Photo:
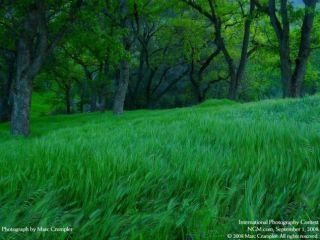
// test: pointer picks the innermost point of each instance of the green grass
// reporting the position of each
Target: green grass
(165, 174)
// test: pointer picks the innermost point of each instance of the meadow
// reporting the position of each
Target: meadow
(189, 173)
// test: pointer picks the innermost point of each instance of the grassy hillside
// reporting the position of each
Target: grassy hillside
(187, 173)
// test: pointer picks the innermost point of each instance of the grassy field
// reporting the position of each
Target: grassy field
(178, 174)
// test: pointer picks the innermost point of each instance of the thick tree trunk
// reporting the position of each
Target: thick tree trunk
(292, 83)
(122, 87)
(123, 81)
(283, 35)
(195, 84)
(285, 68)
(31, 51)
(22, 89)
(20, 117)
(304, 50)
(197, 90)
(233, 89)
(148, 91)
(32, 48)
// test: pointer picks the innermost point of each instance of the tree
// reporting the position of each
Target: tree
(41, 25)
(292, 73)
(159, 54)
(123, 80)
(235, 71)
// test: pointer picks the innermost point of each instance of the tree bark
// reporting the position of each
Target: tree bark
(148, 90)
(194, 82)
(285, 68)
(283, 35)
(122, 87)
(102, 99)
(31, 49)
(292, 82)
(235, 72)
(304, 50)
(20, 118)
(233, 94)
(123, 81)
(221, 44)
(170, 85)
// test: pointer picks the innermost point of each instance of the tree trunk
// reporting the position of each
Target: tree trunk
(122, 87)
(195, 83)
(232, 95)
(22, 90)
(102, 103)
(244, 54)
(123, 81)
(31, 51)
(81, 104)
(102, 98)
(304, 50)
(20, 117)
(283, 35)
(68, 99)
(235, 72)
(292, 83)
(148, 103)
(140, 70)
(285, 61)
(229, 60)
(32, 48)
(285, 68)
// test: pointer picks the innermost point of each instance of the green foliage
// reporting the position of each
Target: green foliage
(191, 35)
(178, 36)
(41, 104)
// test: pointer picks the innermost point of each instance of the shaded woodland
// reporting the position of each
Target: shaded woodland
(146, 54)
